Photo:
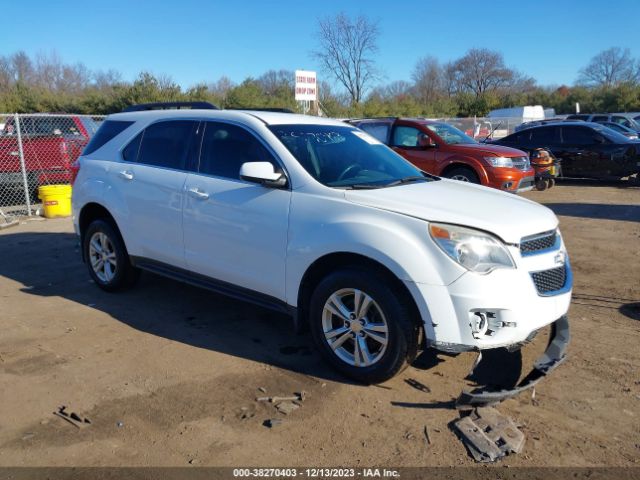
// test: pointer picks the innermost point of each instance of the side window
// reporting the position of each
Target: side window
(600, 118)
(226, 147)
(130, 152)
(405, 137)
(106, 132)
(621, 121)
(165, 144)
(577, 136)
(543, 136)
(379, 131)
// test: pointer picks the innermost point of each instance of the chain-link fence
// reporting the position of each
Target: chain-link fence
(35, 150)
(483, 127)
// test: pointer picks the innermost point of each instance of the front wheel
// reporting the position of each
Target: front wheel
(364, 328)
(107, 257)
(463, 174)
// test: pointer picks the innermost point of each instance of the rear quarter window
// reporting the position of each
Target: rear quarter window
(108, 130)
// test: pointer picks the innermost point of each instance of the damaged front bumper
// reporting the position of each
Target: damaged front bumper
(554, 355)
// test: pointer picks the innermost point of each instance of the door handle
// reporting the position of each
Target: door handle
(197, 193)
(126, 174)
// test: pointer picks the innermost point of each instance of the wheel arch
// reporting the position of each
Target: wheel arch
(470, 164)
(90, 212)
(322, 266)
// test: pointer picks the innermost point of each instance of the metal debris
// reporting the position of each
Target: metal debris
(286, 407)
(72, 417)
(426, 435)
(417, 385)
(262, 389)
(489, 435)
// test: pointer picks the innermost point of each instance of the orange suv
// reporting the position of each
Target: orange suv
(443, 150)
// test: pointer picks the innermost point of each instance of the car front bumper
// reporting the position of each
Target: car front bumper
(553, 356)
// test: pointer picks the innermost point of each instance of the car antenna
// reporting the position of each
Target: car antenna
(484, 140)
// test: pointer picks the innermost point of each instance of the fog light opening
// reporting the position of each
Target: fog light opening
(479, 325)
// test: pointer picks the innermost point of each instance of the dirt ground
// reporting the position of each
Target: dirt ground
(168, 374)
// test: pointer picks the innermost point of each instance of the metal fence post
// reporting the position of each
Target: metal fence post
(23, 167)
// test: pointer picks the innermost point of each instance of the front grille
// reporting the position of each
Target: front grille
(535, 243)
(521, 163)
(549, 281)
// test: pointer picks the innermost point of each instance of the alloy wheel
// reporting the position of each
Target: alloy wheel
(102, 256)
(355, 327)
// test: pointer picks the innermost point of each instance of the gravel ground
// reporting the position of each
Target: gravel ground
(168, 374)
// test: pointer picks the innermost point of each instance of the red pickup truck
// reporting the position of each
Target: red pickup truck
(50, 143)
(443, 150)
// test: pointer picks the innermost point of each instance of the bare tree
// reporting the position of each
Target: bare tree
(610, 68)
(428, 77)
(481, 70)
(22, 67)
(346, 51)
(274, 80)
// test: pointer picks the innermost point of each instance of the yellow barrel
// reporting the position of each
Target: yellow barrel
(56, 200)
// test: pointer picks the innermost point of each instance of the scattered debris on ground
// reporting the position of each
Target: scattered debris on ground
(72, 417)
(417, 385)
(427, 439)
(272, 422)
(489, 435)
(298, 396)
(287, 407)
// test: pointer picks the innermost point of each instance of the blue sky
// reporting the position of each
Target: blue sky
(194, 41)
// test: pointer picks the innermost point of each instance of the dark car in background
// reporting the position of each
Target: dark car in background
(585, 149)
(625, 120)
(618, 127)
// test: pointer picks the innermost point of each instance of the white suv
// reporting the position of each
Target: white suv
(317, 219)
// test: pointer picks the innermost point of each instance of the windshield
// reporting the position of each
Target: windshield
(450, 135)
(345, 157)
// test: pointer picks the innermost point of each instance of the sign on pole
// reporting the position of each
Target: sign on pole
(306, 89)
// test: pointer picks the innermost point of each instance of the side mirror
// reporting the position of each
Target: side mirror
(425, 142)
(262, 173)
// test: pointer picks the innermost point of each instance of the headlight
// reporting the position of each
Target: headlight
(474, 250)
(500, 162)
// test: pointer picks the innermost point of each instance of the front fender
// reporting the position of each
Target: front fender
(467, 161)
(398, 242)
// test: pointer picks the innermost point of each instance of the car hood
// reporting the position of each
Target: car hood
(488, 149)
(448, 201)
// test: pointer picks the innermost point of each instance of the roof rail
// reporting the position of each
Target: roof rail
(170, 105)
(263, 109)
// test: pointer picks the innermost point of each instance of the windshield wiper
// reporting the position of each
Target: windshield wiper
(404, 180)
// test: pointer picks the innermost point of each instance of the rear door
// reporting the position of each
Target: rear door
(151, 179)
(235, 231)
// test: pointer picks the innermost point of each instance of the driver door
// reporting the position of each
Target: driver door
(404, 140)
(235, 231)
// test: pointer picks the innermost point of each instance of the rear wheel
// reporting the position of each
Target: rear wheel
(364, 328)
(463, 174)
(107, 257)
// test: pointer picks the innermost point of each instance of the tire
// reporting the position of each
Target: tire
(387, 326)
(115, 274)
(463, 174)
(552, 182)
(541, 184)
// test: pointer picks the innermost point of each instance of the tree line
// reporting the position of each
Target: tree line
(473, 84)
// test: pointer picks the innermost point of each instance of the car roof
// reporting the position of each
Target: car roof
(269, 118)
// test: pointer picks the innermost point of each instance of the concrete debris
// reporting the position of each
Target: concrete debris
(72, 417)
(299, 396)
(286, 407)
(489, 435)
